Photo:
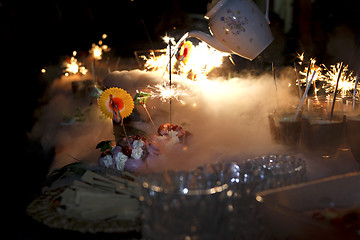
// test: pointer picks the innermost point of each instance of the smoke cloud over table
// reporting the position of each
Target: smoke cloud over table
(228, 118)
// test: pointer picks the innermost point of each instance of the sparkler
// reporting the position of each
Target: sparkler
(335, 93)
(355, 88)
(97, 51)
(170, 78)
(165, 93)
(308, 71)
(74, 67)
(345, 84)
(274, 76)
(304, 95)
(202, 60)
(298, 79)
(328, 76)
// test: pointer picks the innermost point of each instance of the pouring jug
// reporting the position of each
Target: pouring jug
(237, 27)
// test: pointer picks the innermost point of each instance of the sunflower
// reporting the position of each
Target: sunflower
(114, 99)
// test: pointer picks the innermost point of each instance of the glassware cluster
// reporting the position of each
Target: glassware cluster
(214, 201)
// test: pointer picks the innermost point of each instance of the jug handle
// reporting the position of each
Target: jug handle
(267, 12)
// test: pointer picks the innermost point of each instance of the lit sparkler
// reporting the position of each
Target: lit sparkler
(328, 76)
(201, 61)
(346, 82)
(74, 67)
(301, 58)
(165, 93)
(97, 50)
(156, 63)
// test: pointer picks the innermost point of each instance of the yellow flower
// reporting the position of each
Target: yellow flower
(116, 98)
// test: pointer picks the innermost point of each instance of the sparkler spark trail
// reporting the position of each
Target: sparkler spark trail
(74, 66)
(165, 93)
(328, 77)
(201, 61)
(97, 50)
(346, 82)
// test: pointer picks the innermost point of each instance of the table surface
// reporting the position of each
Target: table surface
(316, 168)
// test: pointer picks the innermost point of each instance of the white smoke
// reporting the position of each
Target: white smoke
(227, 117)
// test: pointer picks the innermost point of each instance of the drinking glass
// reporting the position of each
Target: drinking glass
(323, 132)
(185, 205)
(352, 126)
(284, 128)
(248, 177)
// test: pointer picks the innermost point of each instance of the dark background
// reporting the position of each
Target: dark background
(36, 33)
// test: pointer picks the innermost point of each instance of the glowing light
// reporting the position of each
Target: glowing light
(301, 58)
(43, 70)
(201, 61)
(167, 40)
(346, 82)
(74, 67)
(97, 50)
(165, 93)
(328, 77)
(156, 63)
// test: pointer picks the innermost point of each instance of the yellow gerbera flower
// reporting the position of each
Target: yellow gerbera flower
(114, 99)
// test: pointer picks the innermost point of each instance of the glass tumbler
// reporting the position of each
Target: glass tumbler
(323, 132)
(246, 178)
(284, 128)
(352, 126)
(185, 205)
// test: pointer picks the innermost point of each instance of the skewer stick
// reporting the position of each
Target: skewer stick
(173, 52)
(298, 79)
(150, 117)
(117, 118)
(355, 88)
(308, 71)
(304, 95)
(273, 71)
(336, 88)
(170, 77)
